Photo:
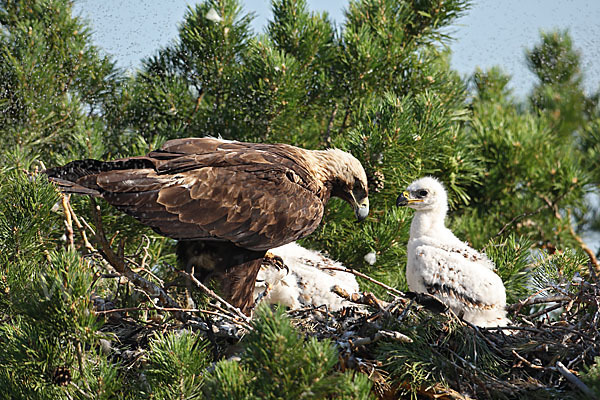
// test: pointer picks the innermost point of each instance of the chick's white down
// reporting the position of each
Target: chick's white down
(304, 282)
(440, 264)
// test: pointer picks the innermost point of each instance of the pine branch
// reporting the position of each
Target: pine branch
(584, 247)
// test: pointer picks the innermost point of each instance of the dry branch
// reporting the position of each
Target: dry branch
(361, 275)
(118, 263)
(236, 311)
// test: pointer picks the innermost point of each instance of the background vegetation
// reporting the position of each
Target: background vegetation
(523, 178)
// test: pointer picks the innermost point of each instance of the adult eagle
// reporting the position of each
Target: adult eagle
(226, 202)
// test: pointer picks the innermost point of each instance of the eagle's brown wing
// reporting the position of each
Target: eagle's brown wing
(254, 198)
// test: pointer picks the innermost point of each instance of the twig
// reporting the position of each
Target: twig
(515, 219)
(345, 119)
(215, 296)
(574, 380)
(518, 306)
(81, 227)
(365, 298)
(516, 328)
(119, 265)
(549, 204)
(139, 268)
(330, 124)
(582, 244)
(361, 275)
(545, 311)
(395, 336)
(68, 220)
(528, 363)
(537, 300)
(146, 249)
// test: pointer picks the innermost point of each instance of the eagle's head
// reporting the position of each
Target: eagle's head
(425, 194)
(348, 180)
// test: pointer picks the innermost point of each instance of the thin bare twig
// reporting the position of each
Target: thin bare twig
(538, 210)
(391, 335)
(365, 298)
(361, 275)
(68, 220)
(527, 362)
(545, 311)
(172, 309)
(215, 296)
(538, 300)
(71, 217)
(152, 290)
(582, 244)
(327, 138)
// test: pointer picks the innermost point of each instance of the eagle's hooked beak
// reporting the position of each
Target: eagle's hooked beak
(404, 200)
(361, 209)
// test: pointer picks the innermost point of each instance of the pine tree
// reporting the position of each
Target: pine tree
(380, 86)
(277, 363)
(53, 84)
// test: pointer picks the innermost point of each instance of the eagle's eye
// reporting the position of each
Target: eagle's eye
(422, 193)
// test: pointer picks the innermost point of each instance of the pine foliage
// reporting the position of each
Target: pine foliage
(522, 176)
(277, 363)
(53, 84)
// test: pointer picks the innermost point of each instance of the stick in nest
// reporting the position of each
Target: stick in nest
(236, 311)
(361, 275)
(366, 298)
(574, 380)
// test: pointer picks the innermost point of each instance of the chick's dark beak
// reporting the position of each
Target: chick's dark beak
(402, 200)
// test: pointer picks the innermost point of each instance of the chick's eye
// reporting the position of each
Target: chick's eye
(422, 193)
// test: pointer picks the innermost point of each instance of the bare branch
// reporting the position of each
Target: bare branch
(574, 380)
(360, 274)
(152, 290)
(215, 296)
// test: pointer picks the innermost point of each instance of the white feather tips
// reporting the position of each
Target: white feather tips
(213, 15)
(370, 258)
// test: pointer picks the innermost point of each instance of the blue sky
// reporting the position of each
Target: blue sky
(491, 33)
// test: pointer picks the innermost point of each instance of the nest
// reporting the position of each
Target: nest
(410, 345)
(554, 338)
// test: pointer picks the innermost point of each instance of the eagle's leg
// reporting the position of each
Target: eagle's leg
(234, 267)
(238, 284)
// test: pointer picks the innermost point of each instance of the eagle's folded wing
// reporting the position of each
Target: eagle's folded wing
(257, 208)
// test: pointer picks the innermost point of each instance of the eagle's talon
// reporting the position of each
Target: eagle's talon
(275, 261)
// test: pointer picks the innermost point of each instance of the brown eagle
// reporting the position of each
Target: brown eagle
(226, 202)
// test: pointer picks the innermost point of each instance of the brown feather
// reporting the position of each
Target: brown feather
(250, 196)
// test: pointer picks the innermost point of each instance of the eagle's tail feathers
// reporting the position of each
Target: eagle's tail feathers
(79, 176)
(66, 186)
